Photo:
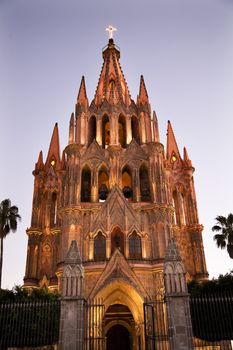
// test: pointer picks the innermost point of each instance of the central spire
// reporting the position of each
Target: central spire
(112, 86)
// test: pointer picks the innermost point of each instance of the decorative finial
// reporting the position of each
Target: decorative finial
(110, 31)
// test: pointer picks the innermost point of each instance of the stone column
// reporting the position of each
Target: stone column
(128, 130)
(94, 187)
(99, 130)
(72, 303)
(177, 300)
(108, 247)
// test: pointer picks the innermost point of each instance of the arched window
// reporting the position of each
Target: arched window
(178, 203)
(86, 185)
(45, 211)
(99, 247)
(103, 183)
(111, 88)
(91, 129)
(135, 129)
(46, 260)
(176, 206)
(122, 131)
(53, 210)
(117, 240)
(105, 131)
(126, 182)
(183, 213)
(144, 184)
(135, 246)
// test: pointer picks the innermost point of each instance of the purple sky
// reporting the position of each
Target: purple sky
(184, 50)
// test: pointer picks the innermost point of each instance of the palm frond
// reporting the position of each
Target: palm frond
(220, 241)
(221, 220)
(230, 218)
(216, 228)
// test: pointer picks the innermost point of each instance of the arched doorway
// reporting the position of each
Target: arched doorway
(118, 338)
(119, 327)
(123, 304)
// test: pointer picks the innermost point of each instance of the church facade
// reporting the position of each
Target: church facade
(121, 195)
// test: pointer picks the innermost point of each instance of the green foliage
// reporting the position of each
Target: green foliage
(28, 319)
(20, 294)
(9, 217)
(224, 235)
(211, 306)
(222, 284)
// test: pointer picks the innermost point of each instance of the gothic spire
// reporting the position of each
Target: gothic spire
(73, 255)
(172, 149)
(172, 252)
(71, 129)
(53, 156)
(82, 99)
(155, 127)
(39, 163)
(143, 95)
(112, 86)
(187, 160)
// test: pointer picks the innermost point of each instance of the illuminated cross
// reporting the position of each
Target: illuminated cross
(110, 31)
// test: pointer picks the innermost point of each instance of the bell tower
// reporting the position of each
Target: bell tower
(120, 196)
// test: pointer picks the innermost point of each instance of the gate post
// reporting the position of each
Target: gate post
(72, 303)
(177, 300)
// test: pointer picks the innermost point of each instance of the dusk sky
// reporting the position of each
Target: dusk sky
(183, 48)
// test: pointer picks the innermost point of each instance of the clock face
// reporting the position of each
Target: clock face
(53, 162)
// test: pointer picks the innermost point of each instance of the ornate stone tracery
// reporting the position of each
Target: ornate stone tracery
(119, 195)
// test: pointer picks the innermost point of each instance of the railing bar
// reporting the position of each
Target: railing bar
(20, 312)
(24, 325)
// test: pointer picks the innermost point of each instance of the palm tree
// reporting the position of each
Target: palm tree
(225, 238)
(8, 222)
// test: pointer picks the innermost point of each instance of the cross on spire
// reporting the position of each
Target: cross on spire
(110, 31)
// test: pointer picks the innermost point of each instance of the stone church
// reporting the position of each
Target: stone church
(121, 195)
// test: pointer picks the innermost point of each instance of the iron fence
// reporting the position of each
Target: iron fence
(155, 325)
(29, 323)
(94, 338)
(212, 321)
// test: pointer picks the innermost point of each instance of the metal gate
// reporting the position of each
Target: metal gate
(94, 338)
(155, 325)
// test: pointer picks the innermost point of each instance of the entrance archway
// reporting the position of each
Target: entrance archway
(118, 338)
(124, 306)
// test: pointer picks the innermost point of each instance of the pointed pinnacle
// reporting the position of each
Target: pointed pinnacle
(72, 119)
(143, 95)
(155, 119)
(172, 147)
(40, 158)
(82, 96)
(39, 164)
(54, 148)
(186, 158)
(172, 252)
(73, 255)
(155, 127)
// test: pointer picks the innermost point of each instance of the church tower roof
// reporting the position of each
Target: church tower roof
(112, 85)
(39, 164)
(82, 95)
(54, 148)
(143, 95)
(172, 148)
